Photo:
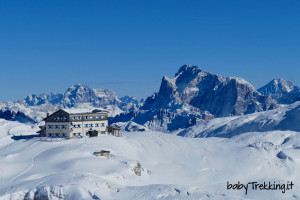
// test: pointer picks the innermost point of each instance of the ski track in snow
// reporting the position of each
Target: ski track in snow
(9, 130)
(33, 160)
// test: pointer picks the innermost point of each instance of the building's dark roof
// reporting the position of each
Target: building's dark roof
(60, 110)
(83, 113)
(93, 112)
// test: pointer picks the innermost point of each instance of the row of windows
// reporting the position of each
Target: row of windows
(92, 125)
(89, 125)
(57, 134)
(57, 126)
(60, 118)
(87, 117)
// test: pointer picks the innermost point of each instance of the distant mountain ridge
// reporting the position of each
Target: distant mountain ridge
(194, 95)
(284, 92)
(79, 94)
(34, 107)
(191, 97)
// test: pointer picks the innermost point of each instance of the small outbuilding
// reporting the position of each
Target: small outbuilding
(102, 153)
(115, 131)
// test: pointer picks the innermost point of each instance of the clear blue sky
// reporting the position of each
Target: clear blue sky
(127, 46)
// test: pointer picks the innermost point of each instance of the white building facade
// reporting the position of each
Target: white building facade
(74, 125)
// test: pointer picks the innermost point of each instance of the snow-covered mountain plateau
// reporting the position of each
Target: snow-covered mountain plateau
(145, 165)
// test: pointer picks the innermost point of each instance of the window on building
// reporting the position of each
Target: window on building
(57, 134)
(91, 125)
(78, 117)
(86, 125)
(56, 126)
(102, 124)
(102, 116)
(91, 117)
(49, 126)
(86, 117)
(97, 125)
(96, 116)
(103, 132)
(65, 118)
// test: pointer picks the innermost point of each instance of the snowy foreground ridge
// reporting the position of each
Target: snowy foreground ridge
(171, 167)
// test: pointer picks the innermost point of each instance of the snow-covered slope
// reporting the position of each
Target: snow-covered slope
(283, 118)
(171, 167)
(195, 95)
(291, 97)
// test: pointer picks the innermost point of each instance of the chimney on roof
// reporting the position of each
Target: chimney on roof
(47, 114)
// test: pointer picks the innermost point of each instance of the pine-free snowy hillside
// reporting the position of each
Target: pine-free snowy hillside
(283, 118)
(171, 167)
(194, 95)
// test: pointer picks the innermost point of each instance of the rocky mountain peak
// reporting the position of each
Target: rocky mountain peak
(277, 88)
(188, 69)
(194, 95)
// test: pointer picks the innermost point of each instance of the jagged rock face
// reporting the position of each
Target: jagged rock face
(276, 88)
(78, 94)
(195, 95)
(221, 96)
(74, 96)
